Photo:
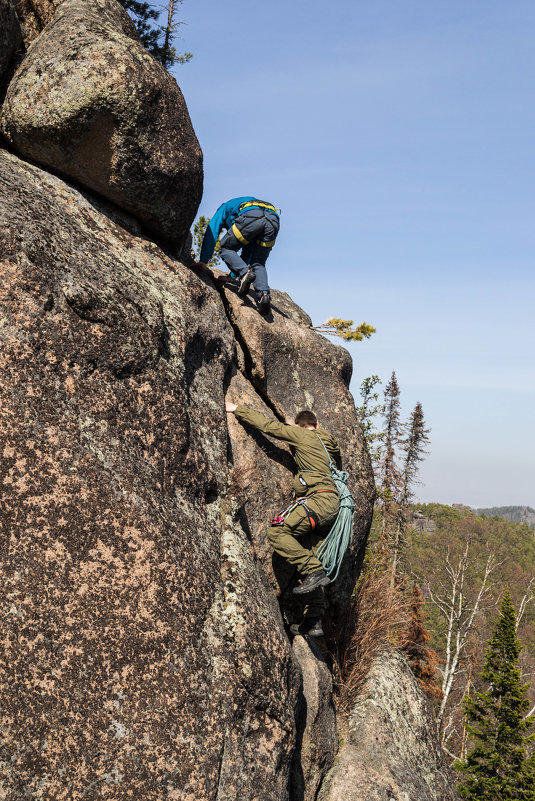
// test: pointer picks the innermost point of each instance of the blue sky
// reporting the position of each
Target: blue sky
(397, 138)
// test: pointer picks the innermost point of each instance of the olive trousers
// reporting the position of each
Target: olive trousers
(297, 542)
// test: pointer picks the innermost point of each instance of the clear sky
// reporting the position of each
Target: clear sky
(397, 137)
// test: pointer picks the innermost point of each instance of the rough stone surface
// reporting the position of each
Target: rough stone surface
(142, 656)
(143, 650)
(10, 35)
(292, 367)
(392, 751)
(97, 108)
(35, 14)
(317, 737)
(422, 523)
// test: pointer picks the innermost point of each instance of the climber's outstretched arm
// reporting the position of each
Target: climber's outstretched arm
(287, 433)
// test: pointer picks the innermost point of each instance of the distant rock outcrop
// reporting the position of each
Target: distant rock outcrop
(391, 751)
(516, 514)
(422, 523)
(97, 108)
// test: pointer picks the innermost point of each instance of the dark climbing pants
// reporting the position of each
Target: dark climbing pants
(297, 543)
(254, 226)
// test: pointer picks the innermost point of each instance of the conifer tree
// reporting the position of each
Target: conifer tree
(497, 766)
(422, 659)
(390, 477)
(367, 411)
(157, 39)
(414, 447)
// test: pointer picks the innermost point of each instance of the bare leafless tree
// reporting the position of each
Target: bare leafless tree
(459, 612)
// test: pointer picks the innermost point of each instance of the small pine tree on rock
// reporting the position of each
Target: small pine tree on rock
(498, 767)
(345, 329)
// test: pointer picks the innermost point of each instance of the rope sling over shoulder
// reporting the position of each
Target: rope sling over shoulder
(332, 550)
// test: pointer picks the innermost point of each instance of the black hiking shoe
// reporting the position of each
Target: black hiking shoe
(310, 582)
(245, 282)
(264, 303)
(311, 627)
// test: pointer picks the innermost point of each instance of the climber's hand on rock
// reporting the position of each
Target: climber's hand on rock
(230, 407)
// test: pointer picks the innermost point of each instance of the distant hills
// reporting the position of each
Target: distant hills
(516, 514)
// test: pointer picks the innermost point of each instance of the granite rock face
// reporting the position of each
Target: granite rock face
(317, 735)
(143, 648)
(34, 15)
(391, 752)
(277, 357)
(97, 108)
(10, 35)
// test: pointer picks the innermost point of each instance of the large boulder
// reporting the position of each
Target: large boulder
(10, 35)
(392, 749)
(96, 107)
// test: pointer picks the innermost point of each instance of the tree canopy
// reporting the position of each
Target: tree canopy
(497, 765)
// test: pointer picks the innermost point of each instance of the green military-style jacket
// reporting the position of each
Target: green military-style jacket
(314, 472)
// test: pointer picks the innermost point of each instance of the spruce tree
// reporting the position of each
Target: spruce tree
(497, 767)
(157, 39)
(422, 659)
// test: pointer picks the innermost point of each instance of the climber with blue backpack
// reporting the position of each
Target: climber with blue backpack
(313, 532)
(252, 226)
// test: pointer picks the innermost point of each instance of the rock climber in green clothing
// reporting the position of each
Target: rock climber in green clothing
(298, 532)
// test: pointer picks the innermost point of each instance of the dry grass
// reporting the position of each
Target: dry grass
(379, 618)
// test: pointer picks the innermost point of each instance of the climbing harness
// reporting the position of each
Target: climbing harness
(240, 237)
(257, 204)
(332, 550)
(312, 516)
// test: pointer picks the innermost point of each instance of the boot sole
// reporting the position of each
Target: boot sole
(307, 633)
(244, 287)
(322, 582)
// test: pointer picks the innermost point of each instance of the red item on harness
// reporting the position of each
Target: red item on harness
(279, 519)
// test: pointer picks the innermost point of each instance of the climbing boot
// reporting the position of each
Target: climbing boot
(245, 282)
(311, 627)
(264, 303)
(317, 579)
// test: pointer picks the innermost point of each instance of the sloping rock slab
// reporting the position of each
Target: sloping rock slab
(96, 107)
(10, 34)
(392, 752)
(143, 655)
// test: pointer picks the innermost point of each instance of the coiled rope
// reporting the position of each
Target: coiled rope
(332, 550)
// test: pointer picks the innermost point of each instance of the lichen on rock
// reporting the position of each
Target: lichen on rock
(391, 750)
